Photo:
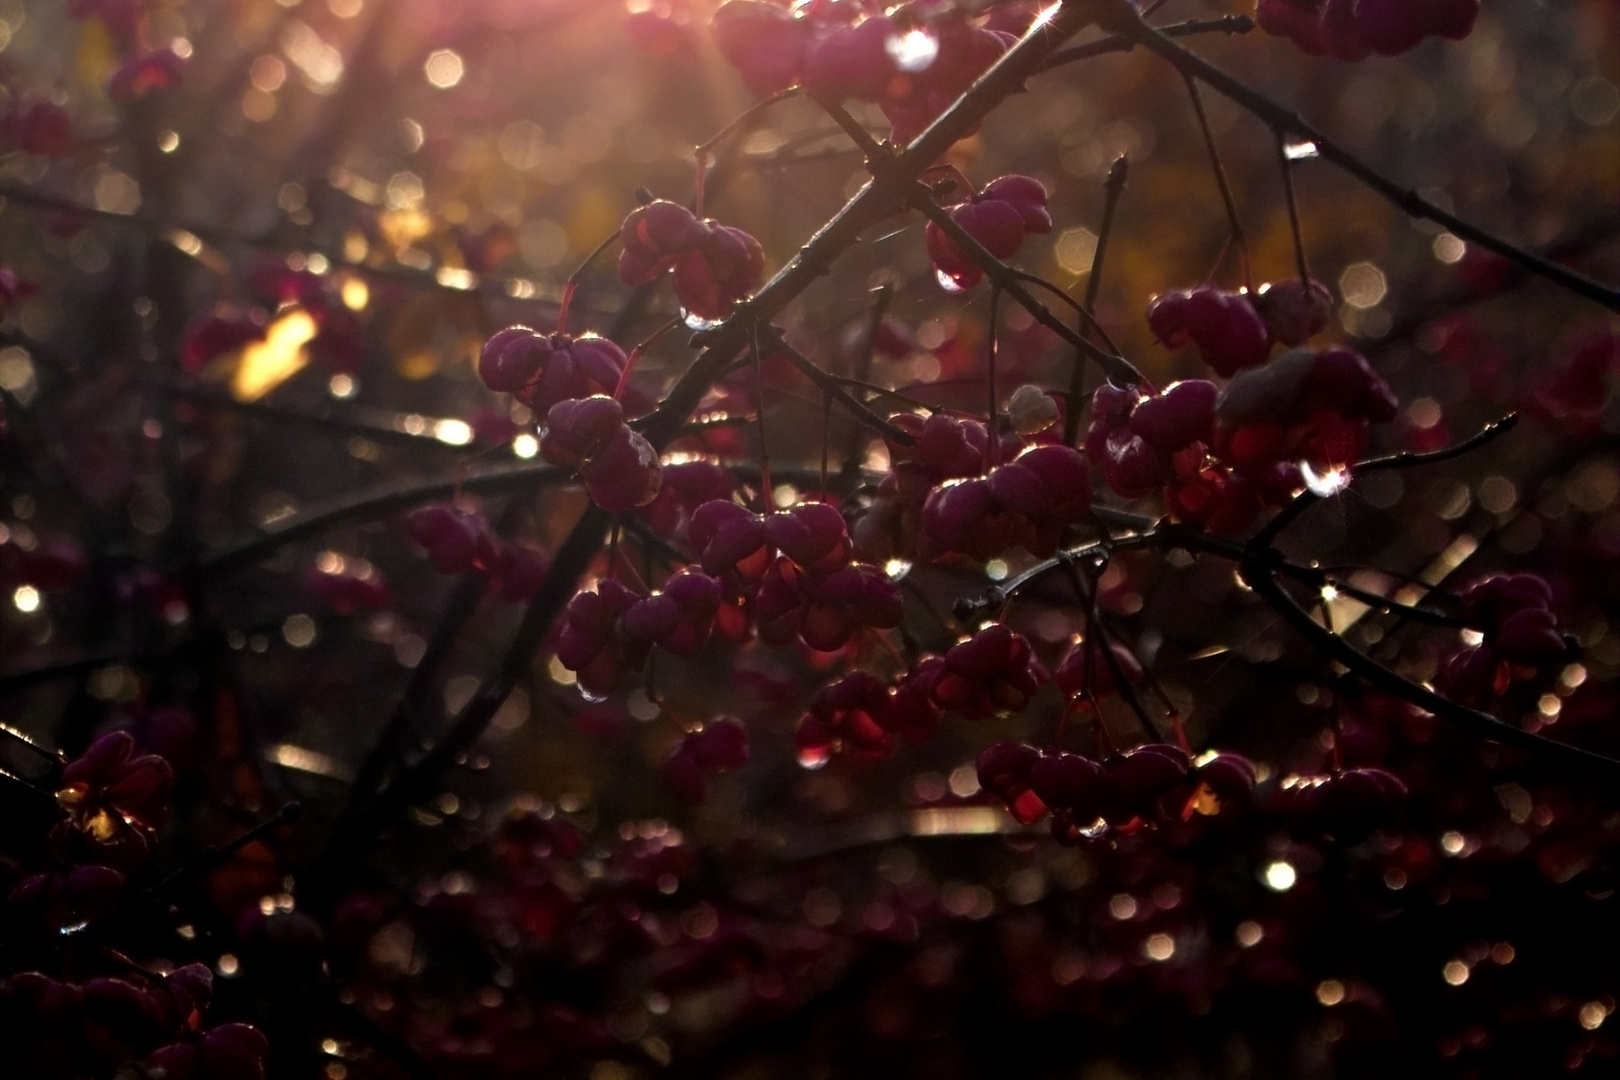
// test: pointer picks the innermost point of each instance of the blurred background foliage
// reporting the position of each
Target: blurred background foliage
(445, 166)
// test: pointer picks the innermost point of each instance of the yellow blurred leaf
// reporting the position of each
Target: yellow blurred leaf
(267, 364)
(593, 216)
(97, 56)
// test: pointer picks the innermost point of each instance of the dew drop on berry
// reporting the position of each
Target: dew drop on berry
(814, 757)
(948, 283)
(698, 322)
(1324, 484)
(590, 698)
(912, 51)
(897, 569)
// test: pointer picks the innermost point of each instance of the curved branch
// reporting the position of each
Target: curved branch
(1257, 573)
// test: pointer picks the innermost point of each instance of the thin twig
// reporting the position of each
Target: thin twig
(830, 386)
(1232, 220)
(1225, 24)
(1118, 369)
(1113, 189)
(1406, 459)
(1286, 164)
(884, 296)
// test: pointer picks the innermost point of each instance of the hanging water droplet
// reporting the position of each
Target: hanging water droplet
(590, 698)
(698, 322)
(912, 51)
(1324, 484)
(814, 757)
(1299, 149)
(948, 283)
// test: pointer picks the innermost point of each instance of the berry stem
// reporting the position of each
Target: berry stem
(1085, 586)
(1287, 166)
(992, 442)
(767, 500)
(883, 296)
(1233, 223)
(703, 153)
(1118, 369)
(28, 744)
(832, 386)
(636, 354)
(572, 285)
(1113, 188)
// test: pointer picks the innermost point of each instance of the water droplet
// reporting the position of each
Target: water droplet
(1324, 484)
(1299, 149)
(698, 322)
(912, 51)
(948, 283)
(814, 757)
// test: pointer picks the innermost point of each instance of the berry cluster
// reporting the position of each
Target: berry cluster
(717, 747)
(59, 1028)
(1236, 330)
(459, 540)
(114, 799)
(912, 62)
(1355, 29)
(1223, 455)
(1129, 791)
(1521, 635)
(619, 466)
(541, 370)
(1346, 806)
(714, 265)
(999, 217)
(943, 495)
(610, 632)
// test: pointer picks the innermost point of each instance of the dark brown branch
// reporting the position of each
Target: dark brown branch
(1225, 24)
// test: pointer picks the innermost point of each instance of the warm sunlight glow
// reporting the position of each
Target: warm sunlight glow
(268, 363)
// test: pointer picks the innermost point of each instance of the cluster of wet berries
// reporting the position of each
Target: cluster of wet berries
(789, 576)
(713, 265)
(568, 380)
(913, 62)
(114, 800)
(1124, 791)
(1355, 29)
(1236, 330)
(1222, 455)
(1008, 209)
(993, 672)
(946, 494)
(458, 540)
(1521, 636)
